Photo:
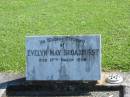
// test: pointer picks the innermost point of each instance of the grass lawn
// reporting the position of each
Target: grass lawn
(110, 18)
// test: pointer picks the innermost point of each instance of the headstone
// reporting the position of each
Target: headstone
(63, 57)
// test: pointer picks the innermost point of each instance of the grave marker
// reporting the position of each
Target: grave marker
(63, 57)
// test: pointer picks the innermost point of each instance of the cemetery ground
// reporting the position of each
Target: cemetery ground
(19, 18)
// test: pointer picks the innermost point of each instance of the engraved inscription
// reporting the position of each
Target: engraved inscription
(63, 57)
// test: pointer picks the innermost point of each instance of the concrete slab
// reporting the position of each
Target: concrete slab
(127, 91)
(125, 75)
(15, 79)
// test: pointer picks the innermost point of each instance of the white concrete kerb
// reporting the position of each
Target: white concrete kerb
(2, 91)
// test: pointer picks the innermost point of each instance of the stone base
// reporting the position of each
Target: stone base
(16, 85)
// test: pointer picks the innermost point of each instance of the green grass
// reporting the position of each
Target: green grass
(110, 18)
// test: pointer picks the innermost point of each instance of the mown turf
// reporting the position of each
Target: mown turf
(110, 18)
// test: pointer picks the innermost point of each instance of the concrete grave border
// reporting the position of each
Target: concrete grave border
(7, 79)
